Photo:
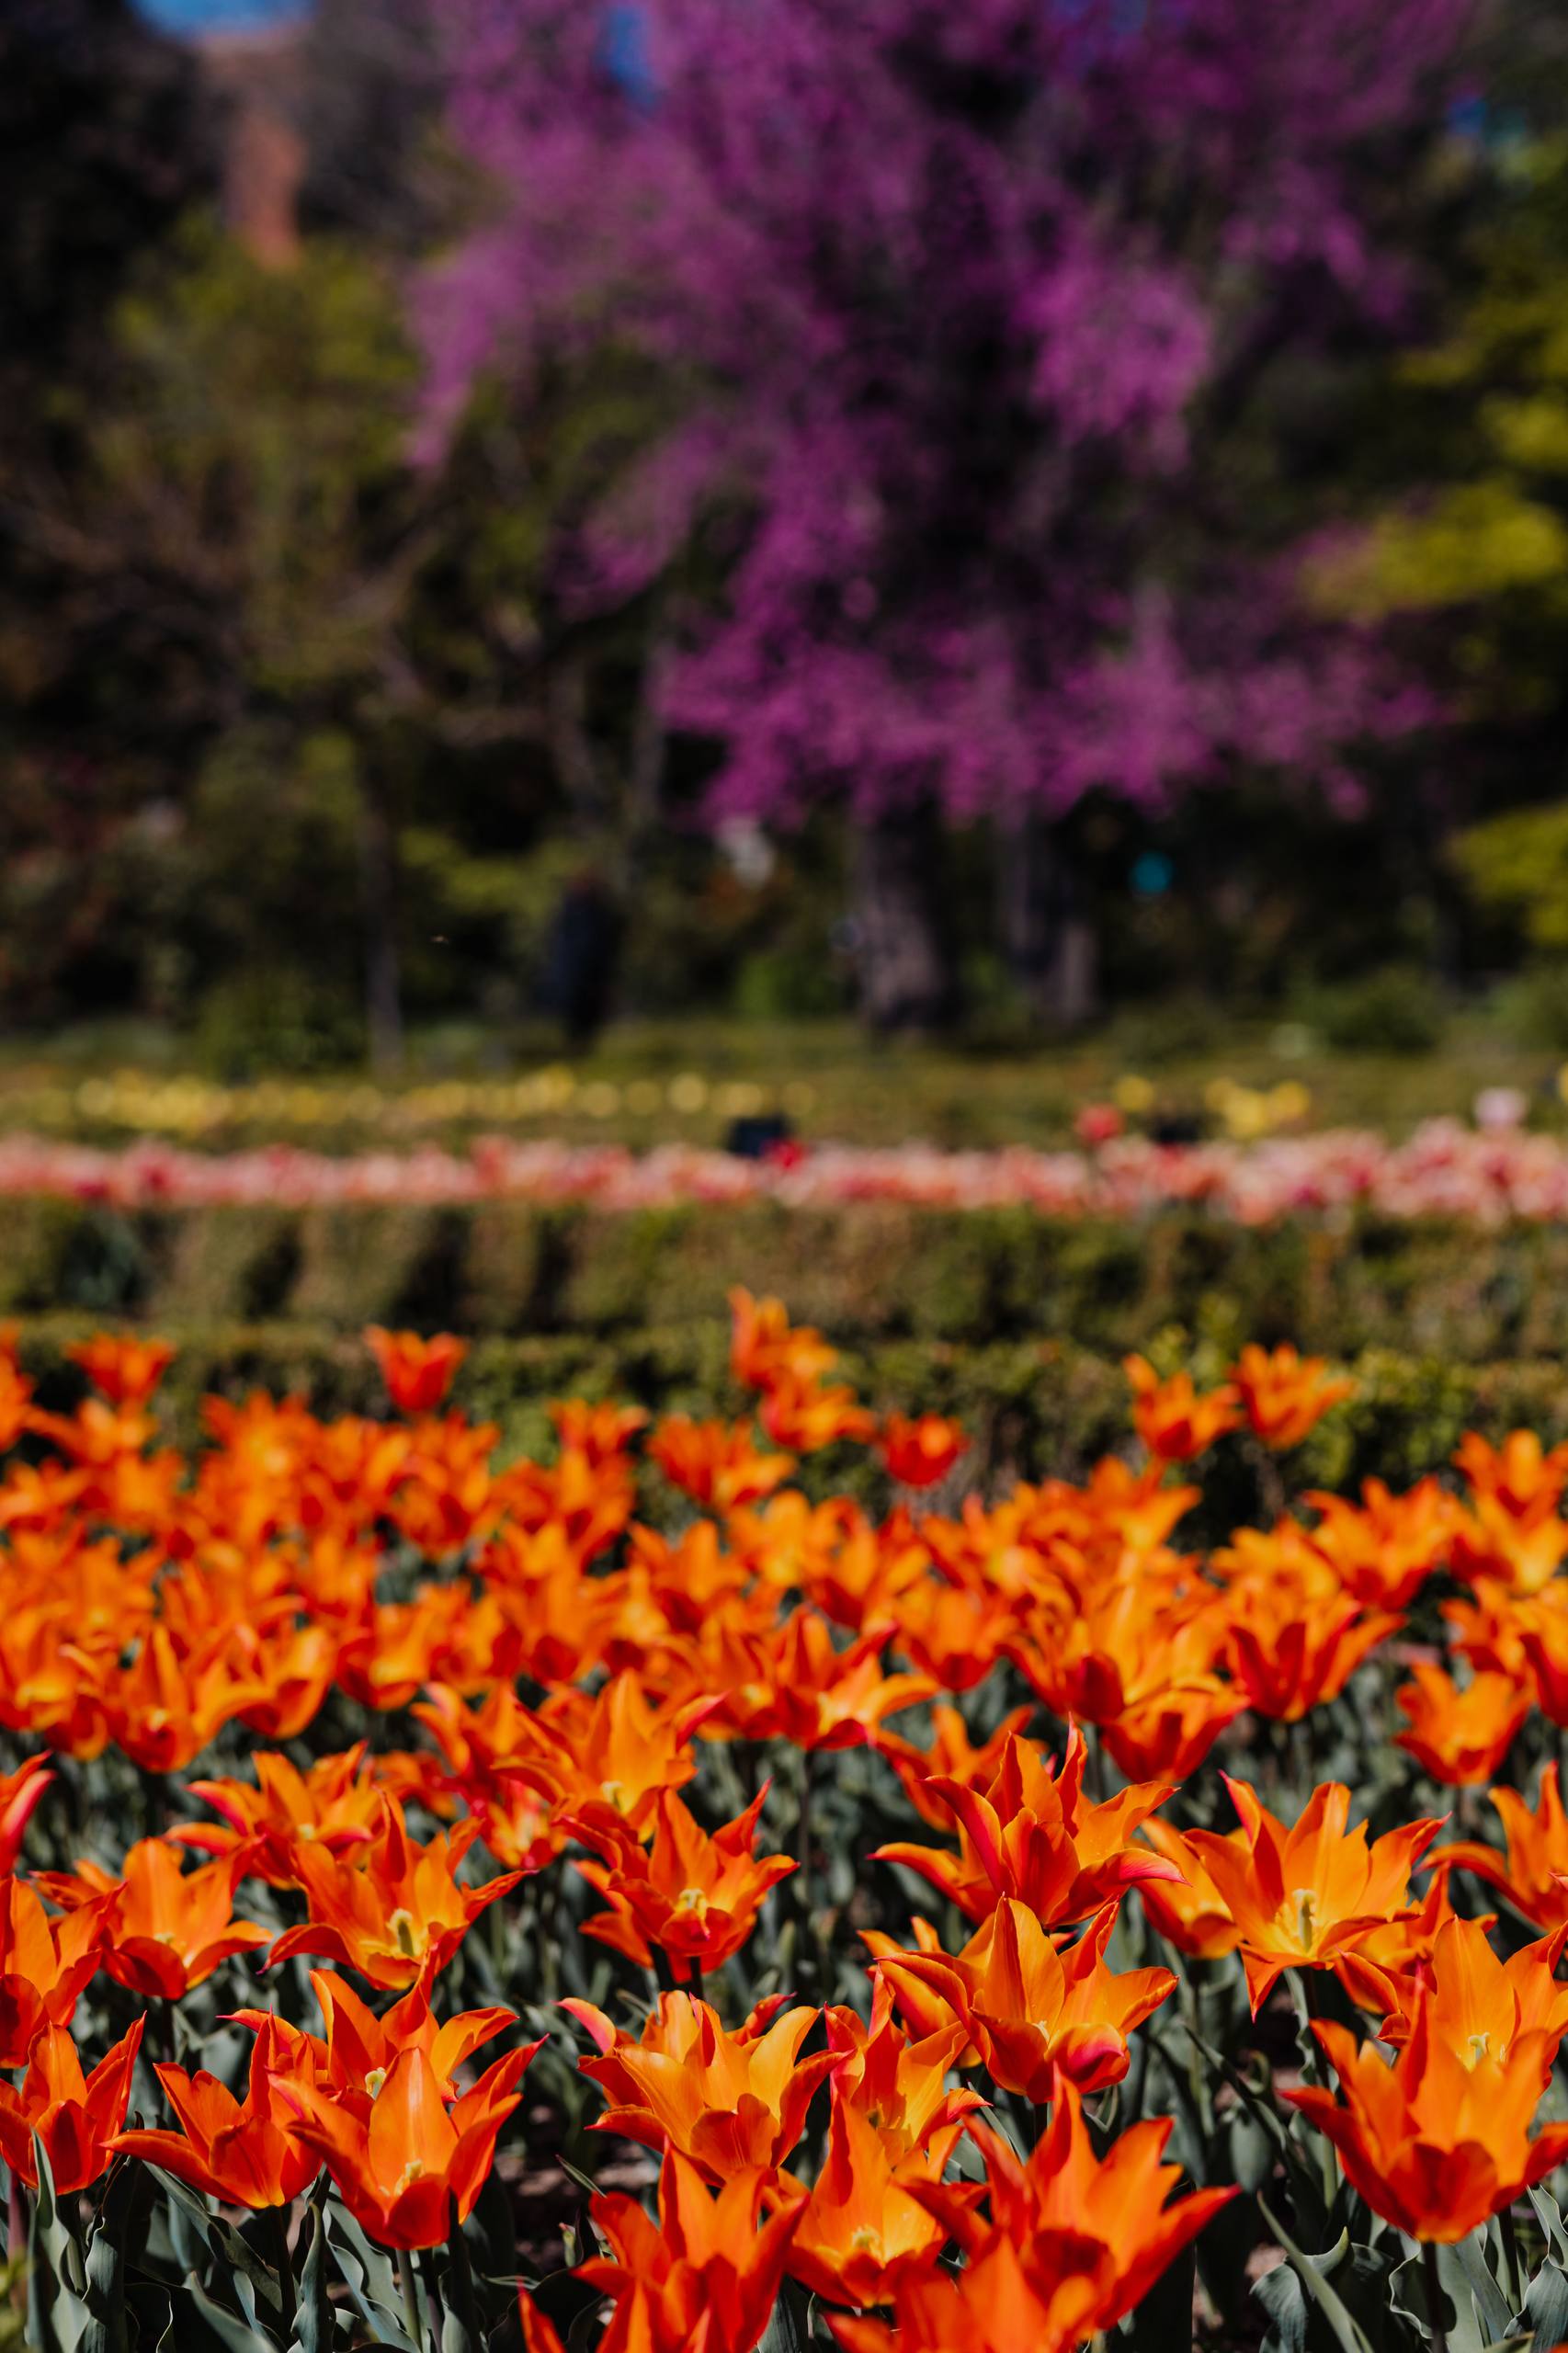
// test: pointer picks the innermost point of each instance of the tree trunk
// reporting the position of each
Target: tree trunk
(377, 884)
(905, 970)
(1047, 928)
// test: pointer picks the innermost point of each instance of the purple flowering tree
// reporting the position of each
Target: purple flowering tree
(973, 303)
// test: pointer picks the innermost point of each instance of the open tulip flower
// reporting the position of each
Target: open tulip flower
(1072, 2242)
(401, 2165)
(901, 2087)
(1284, 1394)
(1035, 2010)
(1037, 1837)
(709, 2269)
(694, 1896)
(1459, 1737)
(1173, 1420)
(337, 1804)
(1305, 1898)
(862, 2227)
(76, 2117)
(161, 1930)
(920, 1452)
(1482, 2006)
(1438, 2142)
(44, 1966)
(733, 2103)
(1531, 1875)
(389, 1908)
(356, 2055)
(242, 2152)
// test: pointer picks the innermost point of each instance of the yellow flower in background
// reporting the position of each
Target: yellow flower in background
(1133, 1094)
(688, 1093)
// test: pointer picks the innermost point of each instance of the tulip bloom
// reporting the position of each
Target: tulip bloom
(1035, 1837)
(1438, 2142)
(417, 1372)
(398, 2165)
(1174, 1422)
(1073, 2244)
(1035, 2012)
(1480, 2006)
(121, 1367)
(1304, 1898)
(392, 1909)
(609, 1755)
(730, 2102)
(920, 1452)
(696, 1897)
(162, 1931)
(1461, 1737)
(242, 2152)
(900, 2085)
(1188, 1910)
(75, 2117)
(1532, 1874)
(861, 2229)
(1285, 1394)
(44, 1966)
(718, 1464)
(709, 2269)
(766, 1347)
(357, 2056)
(1292, 1647)
(337, 1804)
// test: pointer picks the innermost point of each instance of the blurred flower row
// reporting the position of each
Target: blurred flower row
(1443, 1169)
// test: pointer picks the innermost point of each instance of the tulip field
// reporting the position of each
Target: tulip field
(646, 1899)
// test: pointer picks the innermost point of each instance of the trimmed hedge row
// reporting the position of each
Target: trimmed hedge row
(1032, 1409)
(868, 1273)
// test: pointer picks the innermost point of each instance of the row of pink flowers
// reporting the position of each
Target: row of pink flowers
(1443, 1169)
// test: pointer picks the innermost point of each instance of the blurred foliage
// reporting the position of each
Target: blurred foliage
(285, 696)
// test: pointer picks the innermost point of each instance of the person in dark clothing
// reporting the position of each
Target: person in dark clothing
(581, 958)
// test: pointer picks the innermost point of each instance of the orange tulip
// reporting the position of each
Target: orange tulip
(1482, 2006)
(417, 1372)
(1174, 1422)
(1304, 1898)
(709, 2269)
(805, 1417)
(1532, 1873)
(121, 1367)
(1459, 1737)
(400, 2165)
(609, 1757)
(765, 1346)
(695, 1897)
(920, 1452)
(862, 2229)
(901, 2087)
(730, 2102)
(163, 1931)
(716, 1463)
(1291, 1648)
(1188, 1910)
(951, 1758)
(75, 2117)
(356, 2055)
(335, 1804)
(44, 1966)
(1438, 2142)
(1074, 2242)
(1034, 2011)
(1035, 1836)
(394, 1907)
(242, 2152)
(1285, 1394)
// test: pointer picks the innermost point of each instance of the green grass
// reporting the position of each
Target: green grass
(650, 1082)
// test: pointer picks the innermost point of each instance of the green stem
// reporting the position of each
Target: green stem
(277, 2218)
(1435, 2329)
(410, 2287)
(1513, 2262)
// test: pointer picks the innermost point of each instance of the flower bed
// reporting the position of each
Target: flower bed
(1444, 1169)
(830, 1913)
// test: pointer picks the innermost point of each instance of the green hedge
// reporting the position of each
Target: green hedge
(1032, 1409)
(866, 1274)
